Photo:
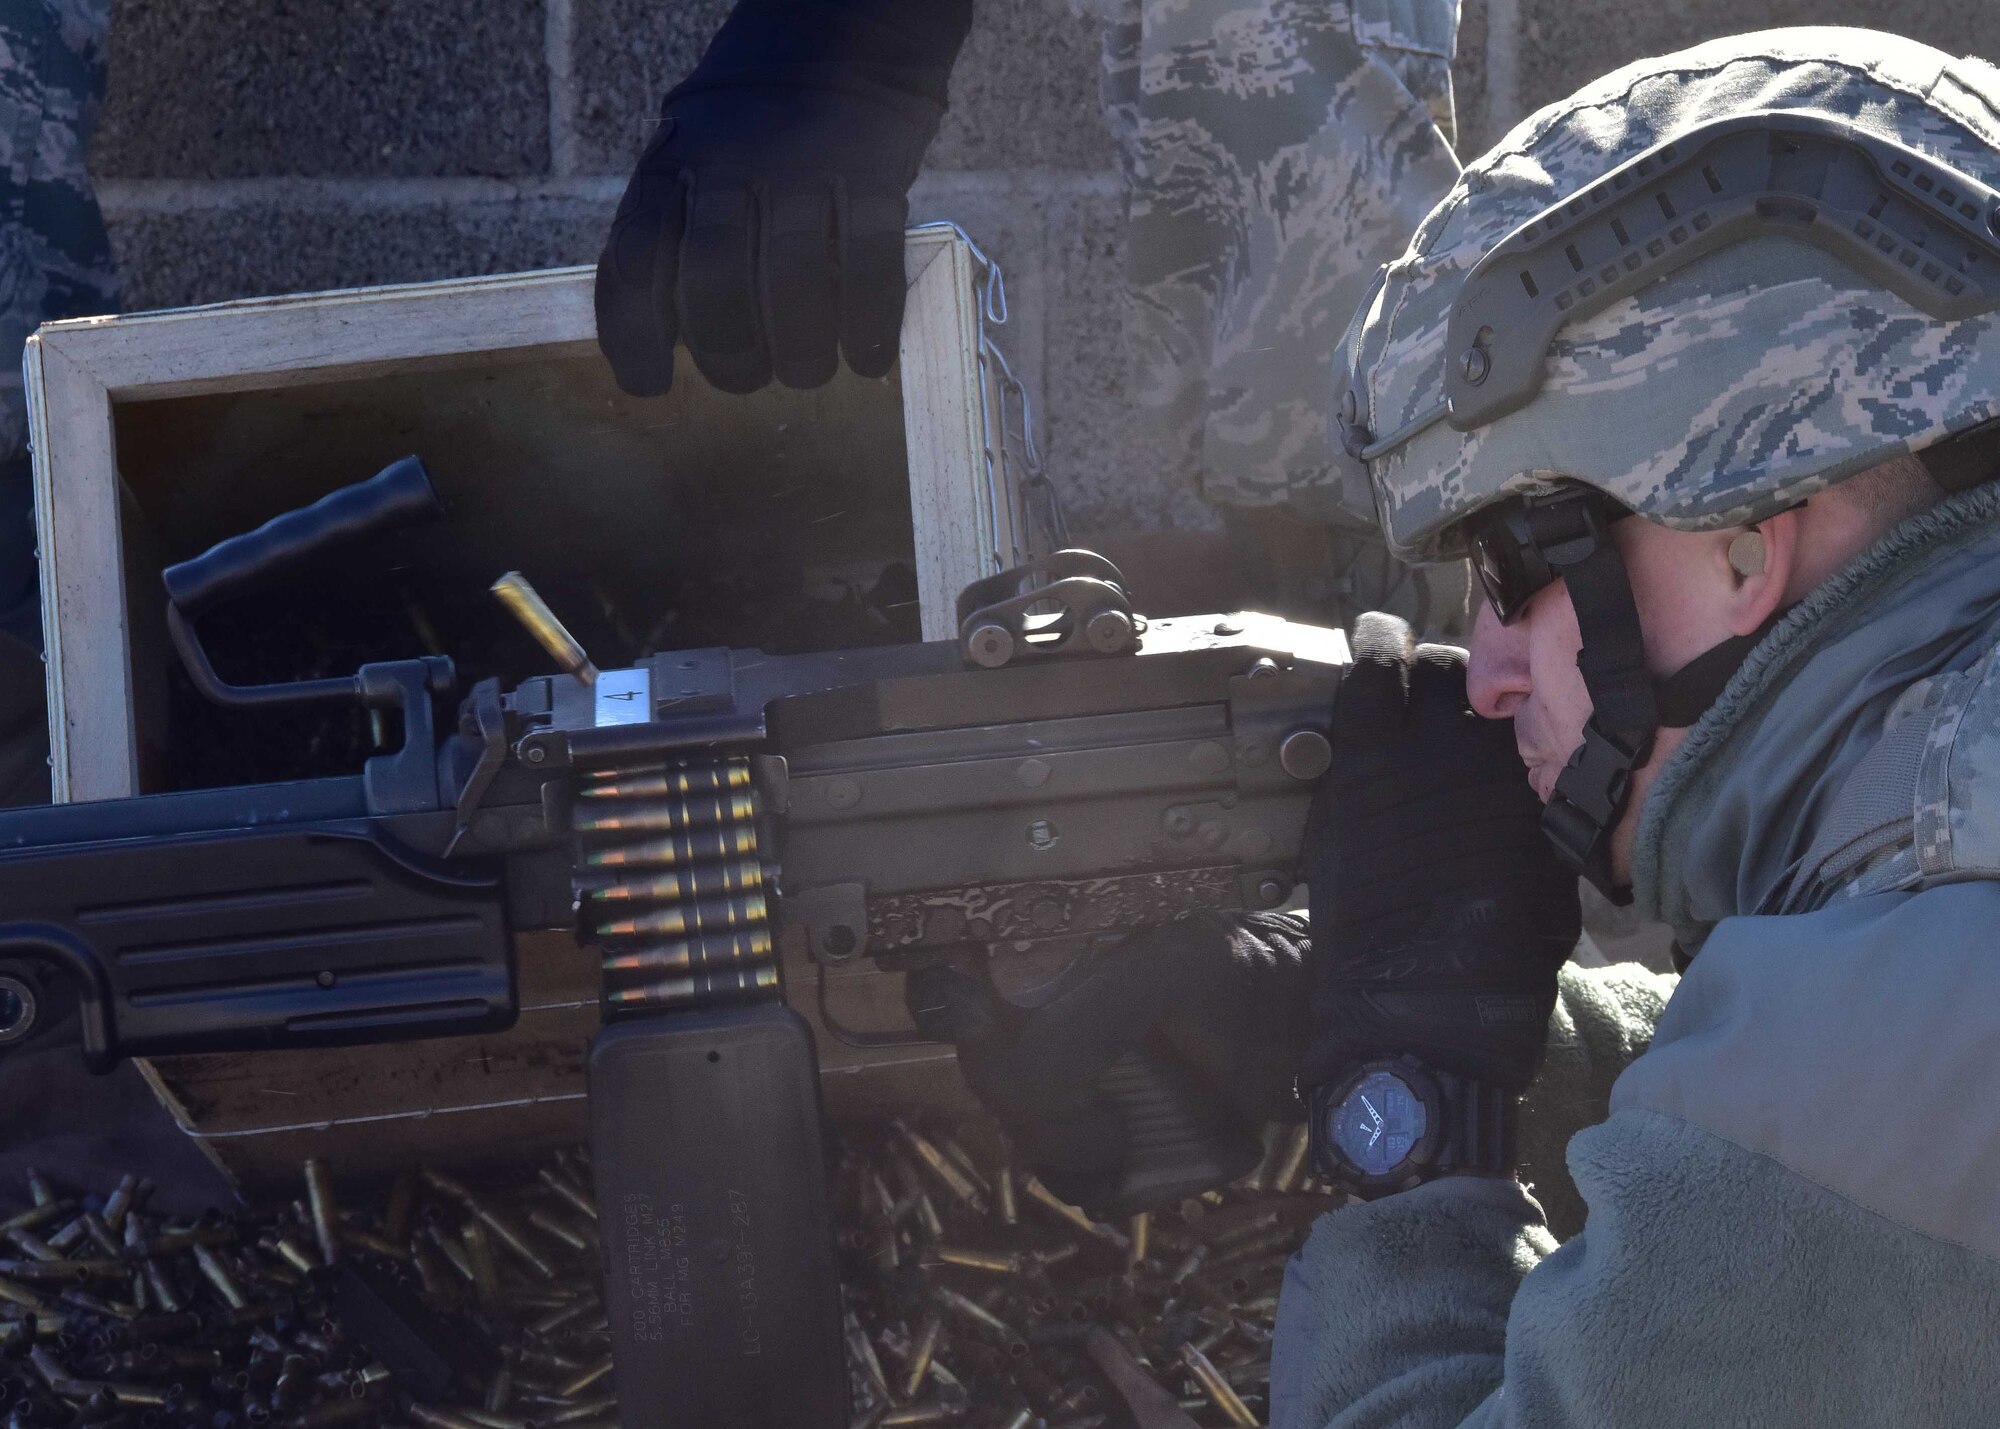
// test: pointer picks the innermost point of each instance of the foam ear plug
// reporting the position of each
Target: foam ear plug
(1746, 554)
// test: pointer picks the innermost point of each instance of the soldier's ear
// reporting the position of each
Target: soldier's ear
(1761, 559)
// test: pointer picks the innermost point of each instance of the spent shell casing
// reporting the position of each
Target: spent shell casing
(687, 955)
(1190, 1263)
(1139, 1230)
(32, 1245)
(666, 816)
(861, 1350)
(927, 1215)
(678, 991)
(921, 1354)
(1021, 1420)
(293, 1254)
(374, 1244)
(433, 1416)
(66, 1235)
(562, 1315)
(97, 1305)
(930, 1412)
(1042, 1196)
(703, 845)
(962, 1159)
(119, 1202)
(575, 1196)
(585, 1380)
(63, 1272)
(1218, 1389)
(999, 1262)
(1268, 1240)
(39, 1190)
(102, 1236)
(526, 605)
(575, 1413)
(490, 1420)
(453, 1251)
(556, 1229)
(37, 1216)
(479, 1255)
(217, 1274)
(974, 1311)
(430, 1271)
(511, 1236)
(1003, 1187)
(941, 1166)
(401, 1209)
(708, 915)
(325, 1210)
(330, 1413)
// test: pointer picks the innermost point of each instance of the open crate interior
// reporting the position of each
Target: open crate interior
(779, 521)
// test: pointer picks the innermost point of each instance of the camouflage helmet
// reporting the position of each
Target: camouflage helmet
(1707, 284)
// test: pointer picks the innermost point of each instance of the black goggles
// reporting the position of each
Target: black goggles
(1521, 545)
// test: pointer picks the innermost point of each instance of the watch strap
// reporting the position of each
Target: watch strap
(1481, 1126)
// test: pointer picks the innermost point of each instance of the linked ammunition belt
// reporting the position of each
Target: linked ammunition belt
(670, 884)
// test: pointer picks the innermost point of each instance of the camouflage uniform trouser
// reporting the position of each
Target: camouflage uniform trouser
(55, 262)
(1275, 153)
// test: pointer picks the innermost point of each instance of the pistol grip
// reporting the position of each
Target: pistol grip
(1181, 1140)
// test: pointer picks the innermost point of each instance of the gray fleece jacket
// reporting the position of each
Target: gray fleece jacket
(1794, 1204)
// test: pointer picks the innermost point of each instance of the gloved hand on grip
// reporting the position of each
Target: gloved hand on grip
(764, 223)
(1147, 1071)
(1440, 911)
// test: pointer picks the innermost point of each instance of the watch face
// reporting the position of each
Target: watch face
(1378, 1123)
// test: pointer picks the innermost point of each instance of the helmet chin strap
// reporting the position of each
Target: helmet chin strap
(1595, 786)
(1628, 707)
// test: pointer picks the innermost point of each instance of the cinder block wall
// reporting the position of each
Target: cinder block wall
(264, 146)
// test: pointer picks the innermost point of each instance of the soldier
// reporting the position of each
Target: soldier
(1698, 367)
(1274, 156)
(55, 262)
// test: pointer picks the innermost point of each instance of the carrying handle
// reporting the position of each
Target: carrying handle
(397, 495)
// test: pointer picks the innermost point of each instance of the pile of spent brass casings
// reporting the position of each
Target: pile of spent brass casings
(978, 1297)
(110, 1315)
(974, 1296)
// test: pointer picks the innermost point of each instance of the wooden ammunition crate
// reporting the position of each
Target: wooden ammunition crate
(157, 434)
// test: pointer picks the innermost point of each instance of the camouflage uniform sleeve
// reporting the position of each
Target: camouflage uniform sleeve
(1275, 154)
(55, 262)
(1604, 1017)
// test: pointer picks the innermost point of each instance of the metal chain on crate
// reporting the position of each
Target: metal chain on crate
(1007, 424)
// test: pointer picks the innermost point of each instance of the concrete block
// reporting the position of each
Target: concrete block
(235, 88)
(1112, 480)
(167, 259)
(1023, 94)
(1562, 43)
(625, 56)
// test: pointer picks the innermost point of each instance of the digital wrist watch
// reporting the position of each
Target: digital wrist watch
(1391, 1123)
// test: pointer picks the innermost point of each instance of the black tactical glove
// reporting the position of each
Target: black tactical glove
(1440, 910)
(764, 223)
(1148, 1070)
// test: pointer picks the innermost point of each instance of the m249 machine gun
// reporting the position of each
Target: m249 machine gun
(1063, 771)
